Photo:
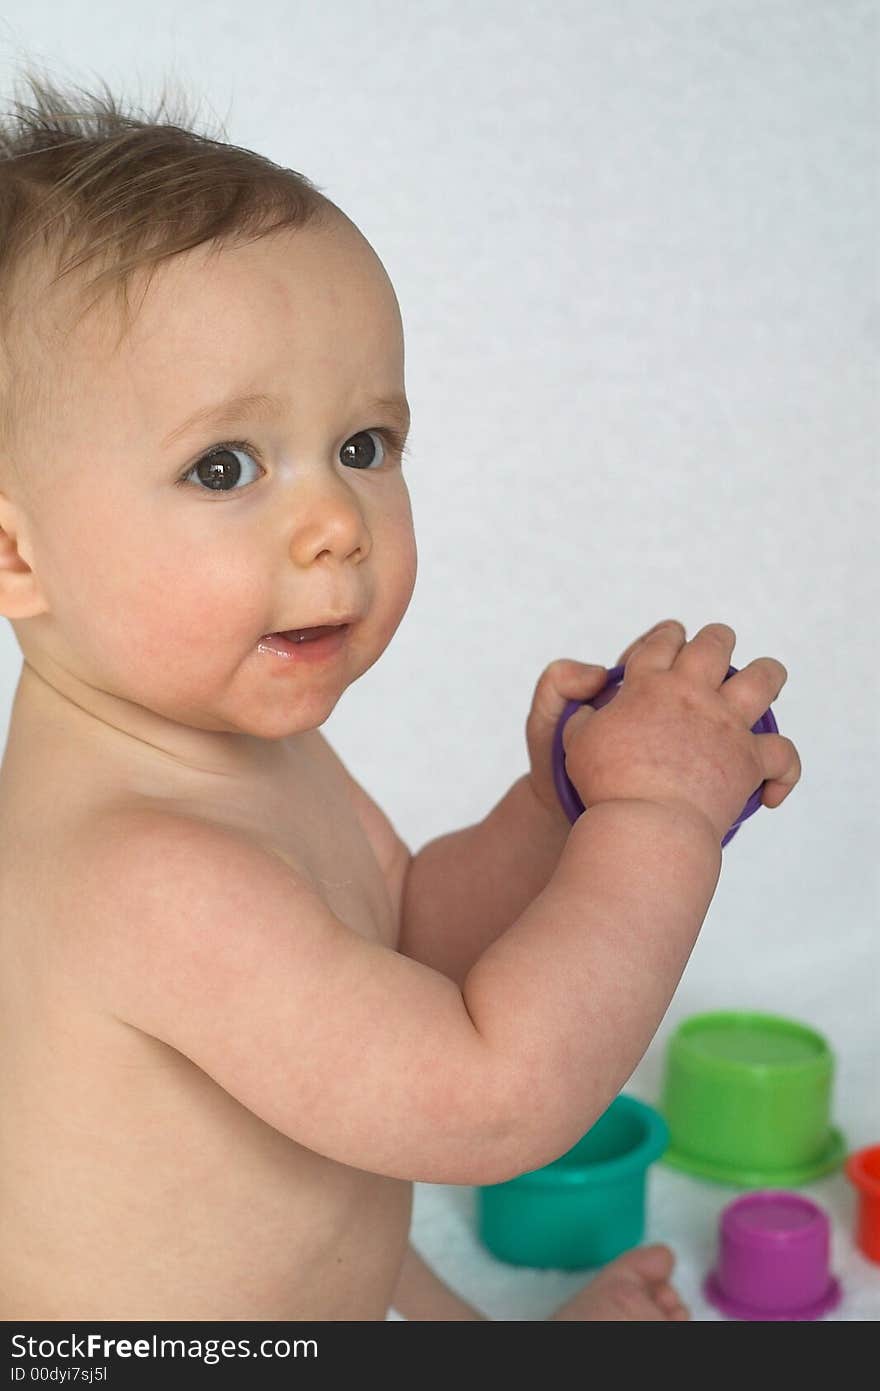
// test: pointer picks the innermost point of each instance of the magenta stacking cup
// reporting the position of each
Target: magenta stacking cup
(773, 1259)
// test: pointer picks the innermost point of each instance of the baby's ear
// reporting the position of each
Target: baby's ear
(20, 593)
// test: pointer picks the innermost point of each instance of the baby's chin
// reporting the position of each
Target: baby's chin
(277, 718)
(280, 728)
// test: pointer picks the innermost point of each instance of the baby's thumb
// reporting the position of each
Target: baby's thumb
(560, 682)
(574, 723)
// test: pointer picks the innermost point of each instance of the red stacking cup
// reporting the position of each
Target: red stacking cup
(863, 1172)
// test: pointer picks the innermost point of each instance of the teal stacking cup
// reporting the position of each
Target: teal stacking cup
(587, 1206)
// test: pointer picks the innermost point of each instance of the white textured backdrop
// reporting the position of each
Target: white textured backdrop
(635, 247)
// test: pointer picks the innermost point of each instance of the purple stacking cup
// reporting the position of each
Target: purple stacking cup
(567, 792)
(773, 1260)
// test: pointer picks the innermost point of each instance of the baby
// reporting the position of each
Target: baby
(238, 1018)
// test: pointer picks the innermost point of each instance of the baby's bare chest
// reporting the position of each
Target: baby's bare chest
(132, 1139)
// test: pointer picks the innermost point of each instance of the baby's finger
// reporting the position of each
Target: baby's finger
(560, 682)
(781, 765)
(624, 656)
(706, 658)
(754, 688)
(658, 650)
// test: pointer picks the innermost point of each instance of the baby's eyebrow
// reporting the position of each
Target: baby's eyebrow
(233, 408)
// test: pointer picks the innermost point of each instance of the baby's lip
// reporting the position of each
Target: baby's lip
(321, 623)
(319, 630)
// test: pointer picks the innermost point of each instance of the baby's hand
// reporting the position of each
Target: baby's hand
(560, 682)
(680, 735)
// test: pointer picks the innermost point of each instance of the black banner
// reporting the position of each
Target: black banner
(119, 1356)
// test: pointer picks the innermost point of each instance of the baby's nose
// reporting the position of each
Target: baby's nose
(331, 524)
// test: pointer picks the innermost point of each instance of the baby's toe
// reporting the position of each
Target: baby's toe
(669, 1301)
(651, 1263)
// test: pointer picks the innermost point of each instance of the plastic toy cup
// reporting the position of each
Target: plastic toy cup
(747, 1100)
(565, 788)
(773, 1262)
(587, 1206)
(863, 1172)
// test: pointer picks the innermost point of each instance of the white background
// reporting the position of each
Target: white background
(635, 248)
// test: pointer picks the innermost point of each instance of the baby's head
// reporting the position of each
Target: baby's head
(134, 568)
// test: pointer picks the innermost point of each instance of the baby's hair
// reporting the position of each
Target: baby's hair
(83, 180)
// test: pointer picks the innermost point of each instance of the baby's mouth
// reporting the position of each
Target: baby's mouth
(324, 640)
(309, 634)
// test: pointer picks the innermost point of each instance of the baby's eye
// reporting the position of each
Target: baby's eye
(219, 471)
(219, 467)
(363, 455)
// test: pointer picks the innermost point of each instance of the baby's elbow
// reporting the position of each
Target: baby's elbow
(533, 1131)
(516, 1131)
(501, 1158)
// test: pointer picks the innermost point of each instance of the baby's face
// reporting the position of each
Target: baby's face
(162, 570)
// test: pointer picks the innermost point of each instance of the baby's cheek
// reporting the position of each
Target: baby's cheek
(398, 591)
(185, 628)
(408, 569)
(401, 543)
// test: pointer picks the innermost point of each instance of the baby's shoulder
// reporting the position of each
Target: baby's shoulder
(94, 908)
(146, 882)
(166, 844)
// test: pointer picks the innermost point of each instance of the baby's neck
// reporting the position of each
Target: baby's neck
(49, 702)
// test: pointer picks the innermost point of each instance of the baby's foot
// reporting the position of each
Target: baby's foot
(634, 1287)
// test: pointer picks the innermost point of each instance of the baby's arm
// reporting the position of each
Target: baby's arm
(578, 985)
(662, 770)
(464, 889)
(196, 935)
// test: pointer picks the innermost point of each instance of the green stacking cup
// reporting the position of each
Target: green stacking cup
(584, 1208)
(747, 1100)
